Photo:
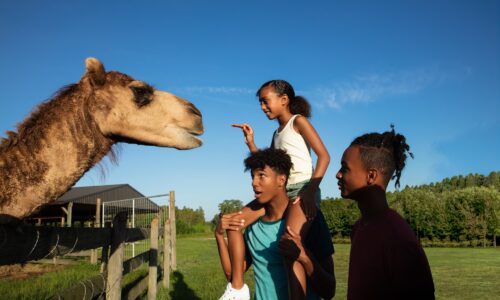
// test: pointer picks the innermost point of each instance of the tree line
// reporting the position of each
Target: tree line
(189, 221)
(460, 211)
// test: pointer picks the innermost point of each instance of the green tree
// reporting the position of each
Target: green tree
(190, 220)
(229, 206)
(340, 215)
(225, 207)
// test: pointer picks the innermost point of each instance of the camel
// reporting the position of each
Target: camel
(67, 135)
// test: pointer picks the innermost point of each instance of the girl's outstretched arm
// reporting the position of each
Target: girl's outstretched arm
(312, 138)
(248, 133)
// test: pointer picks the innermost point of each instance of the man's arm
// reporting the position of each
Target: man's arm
(321, 275)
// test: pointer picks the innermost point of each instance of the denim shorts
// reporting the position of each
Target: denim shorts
(319, 239)
(294, 189)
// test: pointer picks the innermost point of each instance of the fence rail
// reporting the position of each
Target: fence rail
(19, 244)
(24, 243)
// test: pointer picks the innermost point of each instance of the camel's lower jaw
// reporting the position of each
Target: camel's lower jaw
(189, 143)
(190, 137)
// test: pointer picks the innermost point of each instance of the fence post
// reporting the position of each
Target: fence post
(166, 254)
(69, 222)
(105, 252)
(115, 264)
(133, 225)
(97, 224)
(153, 260)
(173, 243)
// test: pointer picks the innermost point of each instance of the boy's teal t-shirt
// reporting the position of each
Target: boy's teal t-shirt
(270, 276)
(262, 239)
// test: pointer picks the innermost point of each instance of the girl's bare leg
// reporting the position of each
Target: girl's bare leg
(297, 221)
(236, 244)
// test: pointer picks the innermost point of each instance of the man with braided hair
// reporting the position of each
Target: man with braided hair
(386, 260)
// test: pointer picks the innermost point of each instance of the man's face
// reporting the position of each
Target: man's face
(352, 174)
(267, 184)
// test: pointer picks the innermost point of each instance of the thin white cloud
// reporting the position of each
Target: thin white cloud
(373, 87)
(218, 90)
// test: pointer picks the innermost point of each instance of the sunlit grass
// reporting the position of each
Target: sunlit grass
(48, 284)
(458, 274)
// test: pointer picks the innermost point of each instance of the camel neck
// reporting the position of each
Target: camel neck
(56, 148)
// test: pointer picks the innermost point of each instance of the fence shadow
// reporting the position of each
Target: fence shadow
(180, 290)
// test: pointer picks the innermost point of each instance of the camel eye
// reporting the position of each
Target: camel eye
(143, 95)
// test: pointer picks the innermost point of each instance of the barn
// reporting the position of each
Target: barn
(77, 207)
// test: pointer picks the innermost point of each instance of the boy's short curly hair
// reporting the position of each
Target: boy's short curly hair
(276, 159)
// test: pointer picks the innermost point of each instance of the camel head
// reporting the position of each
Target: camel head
(131, 111)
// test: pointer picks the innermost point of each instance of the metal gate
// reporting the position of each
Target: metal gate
(140, 212)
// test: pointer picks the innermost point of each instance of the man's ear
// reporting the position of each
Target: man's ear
(372, 176)
(281, 180)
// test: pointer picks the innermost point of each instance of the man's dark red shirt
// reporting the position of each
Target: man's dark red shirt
(387, 261)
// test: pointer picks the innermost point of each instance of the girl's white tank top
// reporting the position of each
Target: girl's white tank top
(295, 145)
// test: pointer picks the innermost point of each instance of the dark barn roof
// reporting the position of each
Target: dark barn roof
(89, 194)
(84, 200)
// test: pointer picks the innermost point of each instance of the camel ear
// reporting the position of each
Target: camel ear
(95, 71)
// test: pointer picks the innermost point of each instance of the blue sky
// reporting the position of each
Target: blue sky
(430, 67)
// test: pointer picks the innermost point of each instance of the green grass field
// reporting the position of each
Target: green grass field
(458, 274)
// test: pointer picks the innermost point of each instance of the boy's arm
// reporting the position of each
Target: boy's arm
(321, 275)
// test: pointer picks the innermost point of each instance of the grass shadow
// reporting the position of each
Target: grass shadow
(180, 290)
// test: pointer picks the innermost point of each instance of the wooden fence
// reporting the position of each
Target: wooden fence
(19, 244)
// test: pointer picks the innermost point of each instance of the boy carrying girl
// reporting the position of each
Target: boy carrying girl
(269, 245)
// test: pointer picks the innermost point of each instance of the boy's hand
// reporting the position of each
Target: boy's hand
(291, 246)
(230, 221)
(247, 132)
(307, 203)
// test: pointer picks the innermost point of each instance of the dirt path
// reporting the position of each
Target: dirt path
(27, 270)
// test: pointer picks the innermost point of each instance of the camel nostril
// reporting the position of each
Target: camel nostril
(194, 110)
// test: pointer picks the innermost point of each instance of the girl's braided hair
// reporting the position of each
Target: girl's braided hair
(384, 151)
